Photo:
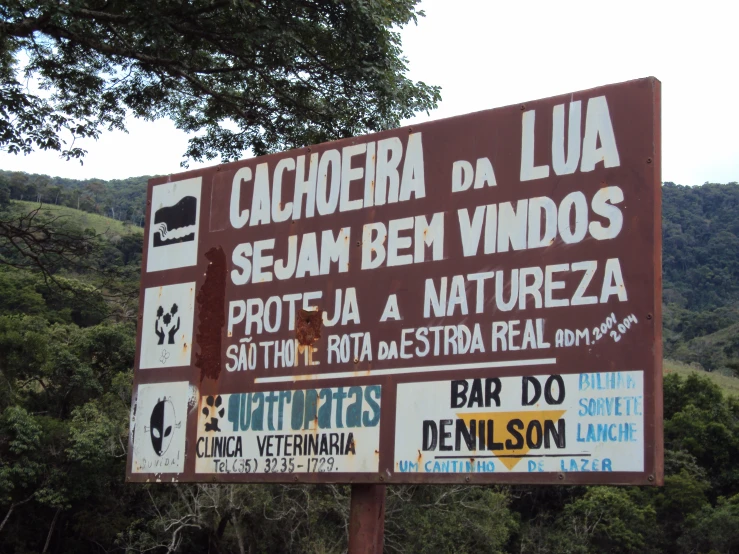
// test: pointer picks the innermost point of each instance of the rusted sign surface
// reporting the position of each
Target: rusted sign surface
(474, 299)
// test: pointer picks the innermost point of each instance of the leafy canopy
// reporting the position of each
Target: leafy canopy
(262, 75)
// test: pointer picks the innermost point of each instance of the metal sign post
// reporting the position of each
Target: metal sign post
(470, 300)
(367, 519)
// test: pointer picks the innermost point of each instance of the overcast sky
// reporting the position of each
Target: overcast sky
(486, 54)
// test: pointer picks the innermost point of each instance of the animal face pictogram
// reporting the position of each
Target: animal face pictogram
(214, 404)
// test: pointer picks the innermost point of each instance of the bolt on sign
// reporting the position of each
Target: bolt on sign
(475, 299)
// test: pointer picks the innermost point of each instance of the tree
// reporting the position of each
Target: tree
(713, 529)
(704, 424)
(63, 424)
(426, 519)
(608, 519)
(4, 193)
(258, 75)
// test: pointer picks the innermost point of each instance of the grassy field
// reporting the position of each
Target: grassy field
(101, 224)
(730, 385)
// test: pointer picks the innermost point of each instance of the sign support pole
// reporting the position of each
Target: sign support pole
(367, 519)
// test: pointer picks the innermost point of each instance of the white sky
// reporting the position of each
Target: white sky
(487, 54)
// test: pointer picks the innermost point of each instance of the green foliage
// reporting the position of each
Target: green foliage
(118, 199)
(4, 194)
(66, 353)
(700, 239)
(63, 413)
(259, 76)
(21, 440)
(427, 519)
(713, 528)
(19, 294)
(606, 519)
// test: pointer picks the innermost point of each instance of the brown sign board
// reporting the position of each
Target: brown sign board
(470, 300)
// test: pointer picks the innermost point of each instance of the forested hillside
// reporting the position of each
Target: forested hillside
(700, 264)
(120, 199)
(67, 326)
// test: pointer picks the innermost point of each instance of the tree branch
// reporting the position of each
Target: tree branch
(13, 507)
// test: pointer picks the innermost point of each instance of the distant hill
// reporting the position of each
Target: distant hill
(700, 234)
(700, 265)
(99, 223)
(119, 199)
(727, 383)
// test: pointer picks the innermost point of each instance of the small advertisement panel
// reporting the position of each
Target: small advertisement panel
(587, 422)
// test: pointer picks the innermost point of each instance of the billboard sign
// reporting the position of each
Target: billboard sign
(475, 299)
